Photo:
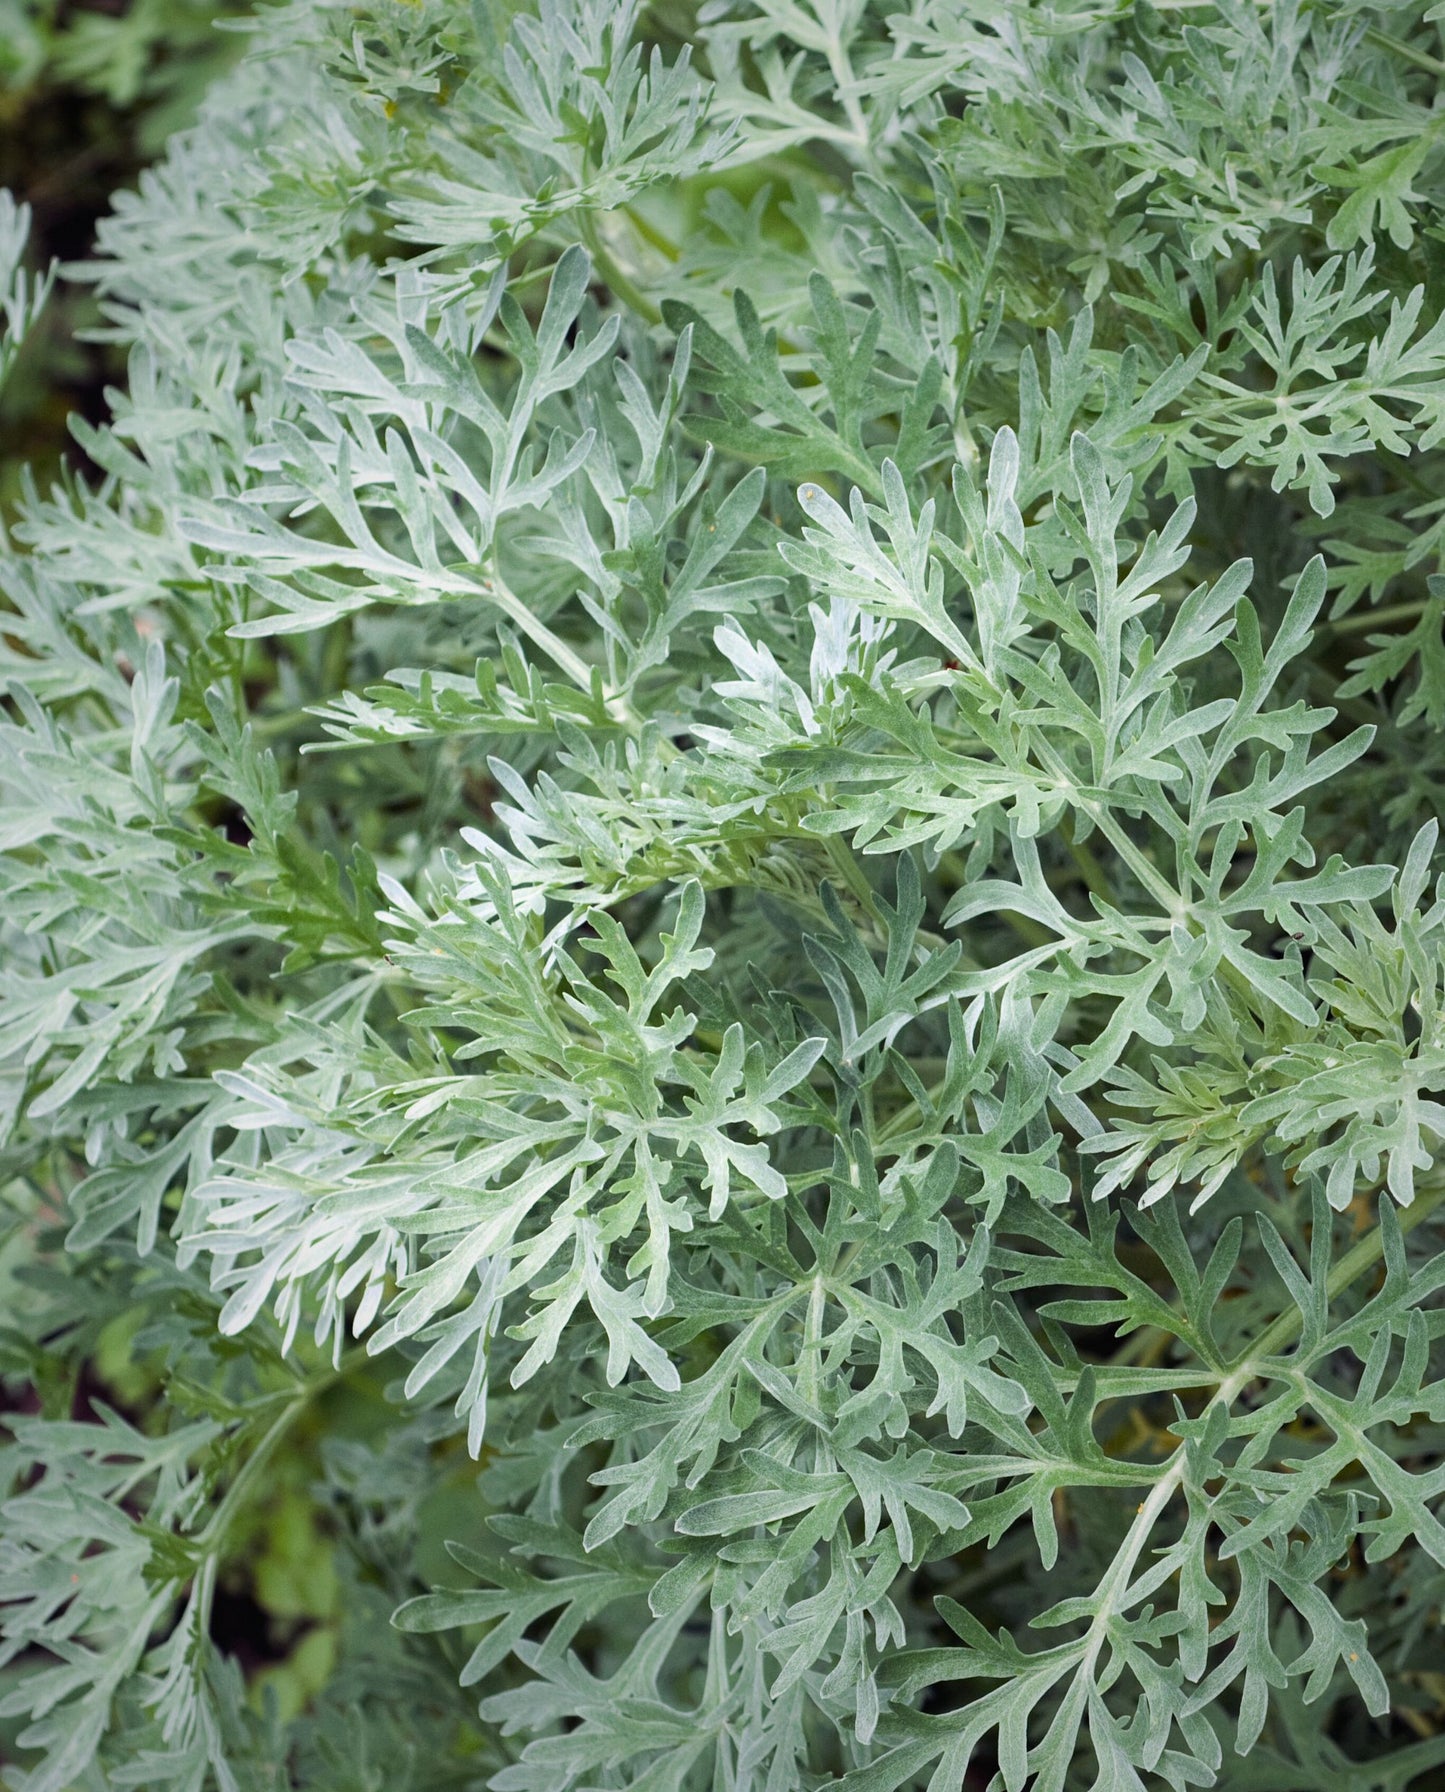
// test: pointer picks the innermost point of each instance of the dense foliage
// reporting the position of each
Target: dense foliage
(724, 977)
(89, 91)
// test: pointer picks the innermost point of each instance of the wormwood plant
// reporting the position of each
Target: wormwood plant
(720, 883)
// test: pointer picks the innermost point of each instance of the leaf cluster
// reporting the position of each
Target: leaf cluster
(722, 1026)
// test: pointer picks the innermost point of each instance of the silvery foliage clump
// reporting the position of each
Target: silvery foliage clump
(722, 792)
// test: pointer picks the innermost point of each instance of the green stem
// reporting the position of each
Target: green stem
(1090, 869)
(1113, 1592)
(1361, 1256)
(618, 280)
(1147, 1341)
(1148, 874)
(845, 83)
(651, 235)
(537, 631)
(237, 1493)
(1363, 619)
(841, 856)
(1431, 64)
